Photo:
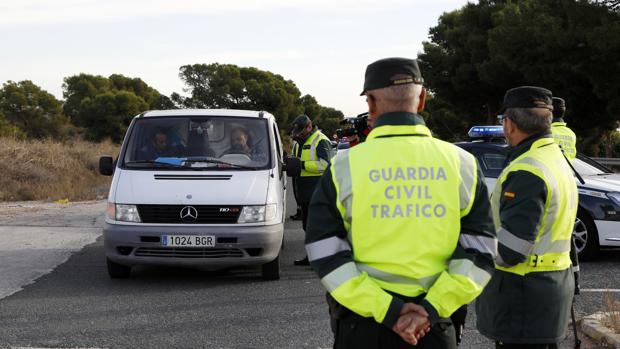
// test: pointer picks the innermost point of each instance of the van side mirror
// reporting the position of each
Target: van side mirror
(106, 165)
(292, 166)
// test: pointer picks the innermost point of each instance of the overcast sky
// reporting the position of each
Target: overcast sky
(322, 45)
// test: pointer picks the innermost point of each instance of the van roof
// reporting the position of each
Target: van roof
(207, 112)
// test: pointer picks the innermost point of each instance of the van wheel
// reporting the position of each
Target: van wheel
(586, 236)
(271, 270)
(118, 271)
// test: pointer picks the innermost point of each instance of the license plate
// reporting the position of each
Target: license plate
(187, 241)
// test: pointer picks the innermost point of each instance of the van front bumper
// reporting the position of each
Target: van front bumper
(235, 245)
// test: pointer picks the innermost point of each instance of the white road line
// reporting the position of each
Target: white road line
(602, 290)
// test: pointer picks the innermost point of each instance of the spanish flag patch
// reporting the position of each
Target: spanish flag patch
(509, 194)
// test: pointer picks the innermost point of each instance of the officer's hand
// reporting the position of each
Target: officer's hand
(412, 307)
(411, 327)
(292, 166)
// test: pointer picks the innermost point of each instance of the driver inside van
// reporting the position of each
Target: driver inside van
(159, 146)
(240, 144)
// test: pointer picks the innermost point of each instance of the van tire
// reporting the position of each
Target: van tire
(271, 270)
(118, 271)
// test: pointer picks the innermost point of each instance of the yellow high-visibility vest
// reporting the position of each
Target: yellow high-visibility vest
(565, 138)
(396, 193)
(550, 250)
(313, 165)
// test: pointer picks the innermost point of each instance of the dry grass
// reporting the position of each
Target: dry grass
(612, 305)
(51, 170)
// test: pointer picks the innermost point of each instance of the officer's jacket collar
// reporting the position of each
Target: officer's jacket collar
(399, 124)
(534, 141)
(558, 121)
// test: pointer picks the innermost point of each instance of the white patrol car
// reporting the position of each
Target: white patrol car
(598, 218)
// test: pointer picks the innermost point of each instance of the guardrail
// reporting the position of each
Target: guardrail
(608, 161)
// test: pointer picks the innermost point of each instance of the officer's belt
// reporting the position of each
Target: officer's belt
(548, 260)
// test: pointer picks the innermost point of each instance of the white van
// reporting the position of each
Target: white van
(196, 188)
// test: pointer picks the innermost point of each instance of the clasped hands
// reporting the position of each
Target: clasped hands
(412, 323)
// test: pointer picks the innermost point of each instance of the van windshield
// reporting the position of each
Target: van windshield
(198, 143)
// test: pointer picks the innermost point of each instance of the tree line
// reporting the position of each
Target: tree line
(571, 47)
(473, 56)
(97, 107)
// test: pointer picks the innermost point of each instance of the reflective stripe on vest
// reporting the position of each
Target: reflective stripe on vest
(565, 138)
(550, 250)
(414, 184)
(309, 154)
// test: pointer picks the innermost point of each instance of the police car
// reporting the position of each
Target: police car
(598, 218)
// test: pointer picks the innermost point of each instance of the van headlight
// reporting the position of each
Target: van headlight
(127, 213)
(259, 213)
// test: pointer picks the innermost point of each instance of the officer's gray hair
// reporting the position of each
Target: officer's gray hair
(531, 120)
(399, 97)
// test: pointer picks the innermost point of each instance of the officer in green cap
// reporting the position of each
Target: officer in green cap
(527, 302)
(566, 139)
(563, 136)
(312, 152)
(399, 228)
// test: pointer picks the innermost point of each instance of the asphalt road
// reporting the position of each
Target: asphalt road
(78, 305)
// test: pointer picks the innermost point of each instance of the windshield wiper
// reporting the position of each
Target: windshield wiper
(214, 161)
(154, 162)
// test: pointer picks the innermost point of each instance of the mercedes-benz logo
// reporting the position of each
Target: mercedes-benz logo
(188, 214)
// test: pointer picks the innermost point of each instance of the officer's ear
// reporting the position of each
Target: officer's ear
(372, 107)
(422, 100)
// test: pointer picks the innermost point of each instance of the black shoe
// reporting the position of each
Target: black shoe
(303, 261)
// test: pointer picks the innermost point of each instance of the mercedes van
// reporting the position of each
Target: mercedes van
(198, 188)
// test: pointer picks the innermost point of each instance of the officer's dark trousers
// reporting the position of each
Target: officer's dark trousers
(499, 345)
(354, 331)
(304, 213)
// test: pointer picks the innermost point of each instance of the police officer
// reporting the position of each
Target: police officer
(297, 216)
(566, 139)
(563, 136)
(527, 302)
(313, 152)
(399, 228)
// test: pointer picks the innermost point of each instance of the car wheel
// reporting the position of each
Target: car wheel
(586, 236)
(271, 270)
(118, 271)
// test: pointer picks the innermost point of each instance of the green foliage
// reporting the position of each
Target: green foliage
(229, 86)
(570, 47)
(443, 121)
(92, 101)
(33, 111)
(326, 118)
(108, 114)
(232, 87)
(78, 87)
(7, 129)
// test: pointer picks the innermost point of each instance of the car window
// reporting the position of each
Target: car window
(494, 161)
(491, 161)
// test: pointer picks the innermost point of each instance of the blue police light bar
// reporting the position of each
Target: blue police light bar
(486, 132)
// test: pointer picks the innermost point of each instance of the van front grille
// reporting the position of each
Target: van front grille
(185, 252)
(205, 214)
